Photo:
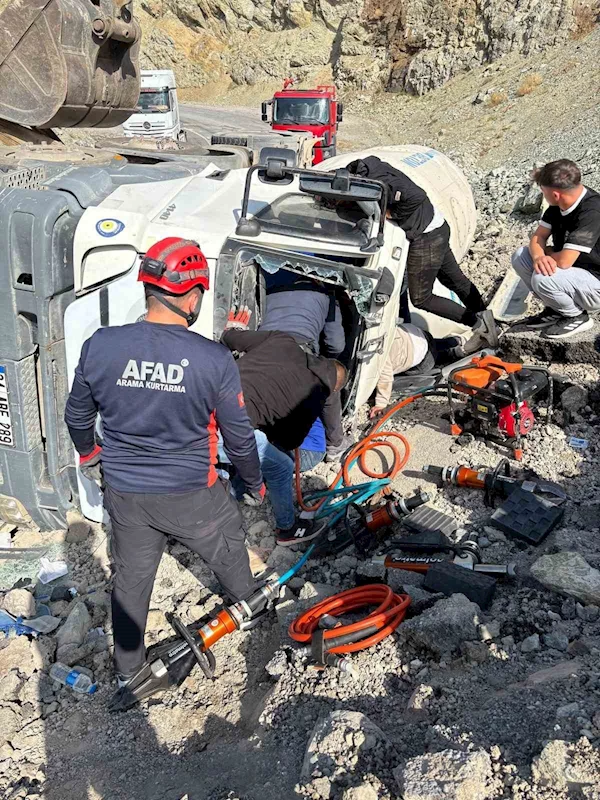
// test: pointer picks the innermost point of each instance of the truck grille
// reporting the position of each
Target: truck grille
(21, 177)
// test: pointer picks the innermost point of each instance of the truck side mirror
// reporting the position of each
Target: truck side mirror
(340, 112)
(263, 112)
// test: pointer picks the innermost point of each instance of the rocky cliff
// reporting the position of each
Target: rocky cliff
(400, 45)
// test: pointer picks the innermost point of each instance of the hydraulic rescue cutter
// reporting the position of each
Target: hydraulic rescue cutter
(499, 405)
(169, 663)
(465, 573)
(529, 508)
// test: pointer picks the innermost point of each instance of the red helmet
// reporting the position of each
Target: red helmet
(175, 265)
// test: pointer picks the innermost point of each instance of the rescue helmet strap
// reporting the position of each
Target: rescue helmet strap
(189, 318)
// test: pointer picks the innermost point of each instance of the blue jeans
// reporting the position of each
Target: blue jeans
(278, 471)
(309, 459)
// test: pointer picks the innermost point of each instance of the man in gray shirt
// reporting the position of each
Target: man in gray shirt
(309, 311)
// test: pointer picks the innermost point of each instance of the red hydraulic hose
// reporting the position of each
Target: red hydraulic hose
(388, 614)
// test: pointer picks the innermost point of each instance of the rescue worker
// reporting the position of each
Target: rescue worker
(430, 255)
(286, 389)
(308, 310)
(162, 393)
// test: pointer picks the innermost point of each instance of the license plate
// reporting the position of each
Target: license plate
(6, 429)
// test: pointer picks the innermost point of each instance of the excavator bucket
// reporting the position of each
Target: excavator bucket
(68, 63)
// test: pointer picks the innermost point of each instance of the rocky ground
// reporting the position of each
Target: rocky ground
(460, 703)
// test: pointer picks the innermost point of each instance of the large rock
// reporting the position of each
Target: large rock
(78, 530)
(19, 603)
(562, 765)
(449, 775)
(570, 574)
(22, 655)
(339, 738)
(10, 723)
(443, 628)
(73, 632)
(363, 792)
(574, 399)
(531, 201)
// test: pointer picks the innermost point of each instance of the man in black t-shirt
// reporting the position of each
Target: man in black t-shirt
(566, 276)
(429, 255)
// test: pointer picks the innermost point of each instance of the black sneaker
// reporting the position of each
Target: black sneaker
(544, 319)
(569, 326)
(303, 530)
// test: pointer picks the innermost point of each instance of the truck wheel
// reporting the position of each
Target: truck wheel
(182, 136)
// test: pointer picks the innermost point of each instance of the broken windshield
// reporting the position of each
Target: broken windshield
(301, 111)
(154, 102)
(304, 216)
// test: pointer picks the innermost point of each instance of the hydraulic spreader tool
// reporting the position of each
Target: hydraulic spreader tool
(530, 507)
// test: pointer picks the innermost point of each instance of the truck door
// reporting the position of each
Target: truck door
(178, 132)
(116, 303)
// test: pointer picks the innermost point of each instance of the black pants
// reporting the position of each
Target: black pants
(208, 521)
(332, 420)
(430, 257)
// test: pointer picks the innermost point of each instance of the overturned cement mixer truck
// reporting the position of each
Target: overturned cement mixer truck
(69, 259)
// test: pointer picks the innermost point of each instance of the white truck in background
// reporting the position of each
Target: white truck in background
(157, 111)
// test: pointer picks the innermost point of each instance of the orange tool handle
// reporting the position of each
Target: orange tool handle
(471, 478)
(217, 628)
(406, 566)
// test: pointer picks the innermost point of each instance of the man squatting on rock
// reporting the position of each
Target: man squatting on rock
(566, 276)
(162, 393)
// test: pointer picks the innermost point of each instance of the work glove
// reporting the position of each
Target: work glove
(255, 498)
(90, 465)
(238, 320)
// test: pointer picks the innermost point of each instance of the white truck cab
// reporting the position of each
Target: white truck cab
(157, 113)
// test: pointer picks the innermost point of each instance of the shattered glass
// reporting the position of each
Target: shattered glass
(360, 291)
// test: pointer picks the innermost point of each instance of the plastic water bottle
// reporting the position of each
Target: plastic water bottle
(80, 679)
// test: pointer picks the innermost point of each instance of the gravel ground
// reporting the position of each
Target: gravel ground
(459, 703)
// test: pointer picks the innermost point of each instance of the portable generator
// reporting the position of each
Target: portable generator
(500, 400)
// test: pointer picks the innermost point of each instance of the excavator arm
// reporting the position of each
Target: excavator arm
(68, 63)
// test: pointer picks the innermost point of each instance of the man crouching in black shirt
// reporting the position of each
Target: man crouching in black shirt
(566, 276)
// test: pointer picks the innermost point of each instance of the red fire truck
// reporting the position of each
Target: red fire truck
(314, 110)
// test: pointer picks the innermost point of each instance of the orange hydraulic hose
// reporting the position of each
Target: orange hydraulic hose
(374, 439)
(390, 611)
